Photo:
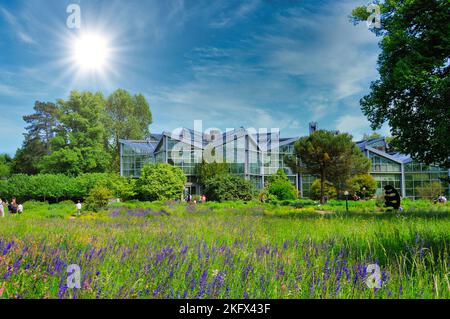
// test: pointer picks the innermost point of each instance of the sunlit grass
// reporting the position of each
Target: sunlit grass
(230, 250)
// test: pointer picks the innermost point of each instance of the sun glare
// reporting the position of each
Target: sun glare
(91, 52)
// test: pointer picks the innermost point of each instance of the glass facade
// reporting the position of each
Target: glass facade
(273, 161)
(307, 181)
(134, 157)
(182, 155)
(388, 172)
(387, 179)
(419, 175)
(246, 159)
(383, 165)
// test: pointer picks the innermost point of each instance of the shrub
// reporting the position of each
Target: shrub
(98, 198)
(4, 194)
(58, 187)
(123, 188)
(329, 192)
(161, 181)
(204, 171)
(280, 186)
(229, 187)
(363, 185)
(430, 191)
(34, 205)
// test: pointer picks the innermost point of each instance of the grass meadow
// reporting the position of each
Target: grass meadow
(228, 250)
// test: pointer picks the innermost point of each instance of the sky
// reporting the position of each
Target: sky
(230, 63)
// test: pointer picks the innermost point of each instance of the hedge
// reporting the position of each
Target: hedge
(58, 187)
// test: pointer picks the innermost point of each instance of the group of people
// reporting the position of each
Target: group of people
(190, 199)
(13, 207)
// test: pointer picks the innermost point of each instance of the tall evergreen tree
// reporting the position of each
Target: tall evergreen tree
(42, 125)
(330, 155)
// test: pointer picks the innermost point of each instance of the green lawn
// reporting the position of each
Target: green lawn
(229, 250)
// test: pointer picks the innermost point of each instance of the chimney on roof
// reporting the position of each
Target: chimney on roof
(214, 134)
(312, 127)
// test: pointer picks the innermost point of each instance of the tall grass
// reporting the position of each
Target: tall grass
(229, 250)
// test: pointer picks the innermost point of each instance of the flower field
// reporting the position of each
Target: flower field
(230, 250)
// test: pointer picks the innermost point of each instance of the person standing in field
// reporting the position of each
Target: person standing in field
(78, 206)
(12, 207)
(204, 199)
(2, 209)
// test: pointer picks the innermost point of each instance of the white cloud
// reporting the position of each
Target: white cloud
(334, 55)
(356, 125)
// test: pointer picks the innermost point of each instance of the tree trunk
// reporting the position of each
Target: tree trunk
(322, 187)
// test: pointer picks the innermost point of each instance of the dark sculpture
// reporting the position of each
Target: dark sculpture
(391, 197)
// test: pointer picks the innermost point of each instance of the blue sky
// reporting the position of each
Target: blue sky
(253, 63)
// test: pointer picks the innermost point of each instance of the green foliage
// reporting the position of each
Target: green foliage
(413, 90)
(123, 188)
(3, 189)
(58, 187)
(430, 191)
(81, 134)
(411, 248)
(161, 181)
(42, 125)
(205, 171)
(329, 191)
(363, 185)
(280, 187)
(5, 166)
(228, 187)
(79, 146)
(98, 198)
(127, 117)
(28, 157)
(331, 155)
(371, 136)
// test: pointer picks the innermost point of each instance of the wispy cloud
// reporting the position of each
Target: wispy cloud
(323, 48)
(354, 124)
(233, 63)
(14, 23)
(231, 16)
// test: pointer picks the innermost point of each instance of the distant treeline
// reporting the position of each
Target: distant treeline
(79, 134)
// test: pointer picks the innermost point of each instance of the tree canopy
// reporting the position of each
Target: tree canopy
(5, 166)
(413, 92)
(79, 144)
(81, 134)
(128, 117)
(330, 155)
(205, 171)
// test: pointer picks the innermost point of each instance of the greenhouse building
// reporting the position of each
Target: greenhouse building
(257, 155)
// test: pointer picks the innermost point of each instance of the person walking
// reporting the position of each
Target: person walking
(2, 209)
(78, 206)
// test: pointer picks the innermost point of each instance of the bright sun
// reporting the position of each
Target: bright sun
(91, 52)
